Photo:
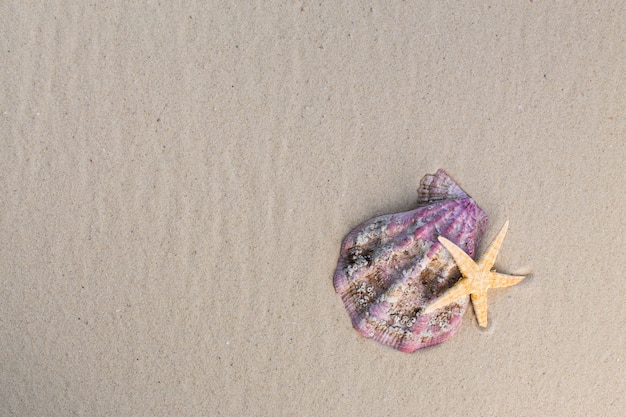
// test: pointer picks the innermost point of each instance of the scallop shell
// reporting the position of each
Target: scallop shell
(392, 266)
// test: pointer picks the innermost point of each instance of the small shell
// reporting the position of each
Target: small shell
(390, 267)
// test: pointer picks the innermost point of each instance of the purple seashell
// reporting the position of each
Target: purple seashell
(391, 267)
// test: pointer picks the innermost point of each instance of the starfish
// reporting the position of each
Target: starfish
(477, 277)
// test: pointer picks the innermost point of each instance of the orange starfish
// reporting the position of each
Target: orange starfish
(477, 277)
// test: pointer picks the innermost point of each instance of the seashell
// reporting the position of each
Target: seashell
(391, 267)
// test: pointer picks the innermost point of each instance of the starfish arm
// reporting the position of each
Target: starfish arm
(487, 260)
(455, 293)
(463, 261)
(497, 280)
(479, 302)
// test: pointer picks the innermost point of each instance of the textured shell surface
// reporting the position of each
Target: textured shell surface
(392, 266)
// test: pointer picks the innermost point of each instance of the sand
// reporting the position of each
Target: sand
(175, 181)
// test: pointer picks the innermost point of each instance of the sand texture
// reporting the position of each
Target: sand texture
(176, 180)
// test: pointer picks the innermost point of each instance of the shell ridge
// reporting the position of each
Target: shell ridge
(467, 227)
(438, 187)
(440, 220)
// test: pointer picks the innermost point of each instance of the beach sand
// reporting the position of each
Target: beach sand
(175, 182)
